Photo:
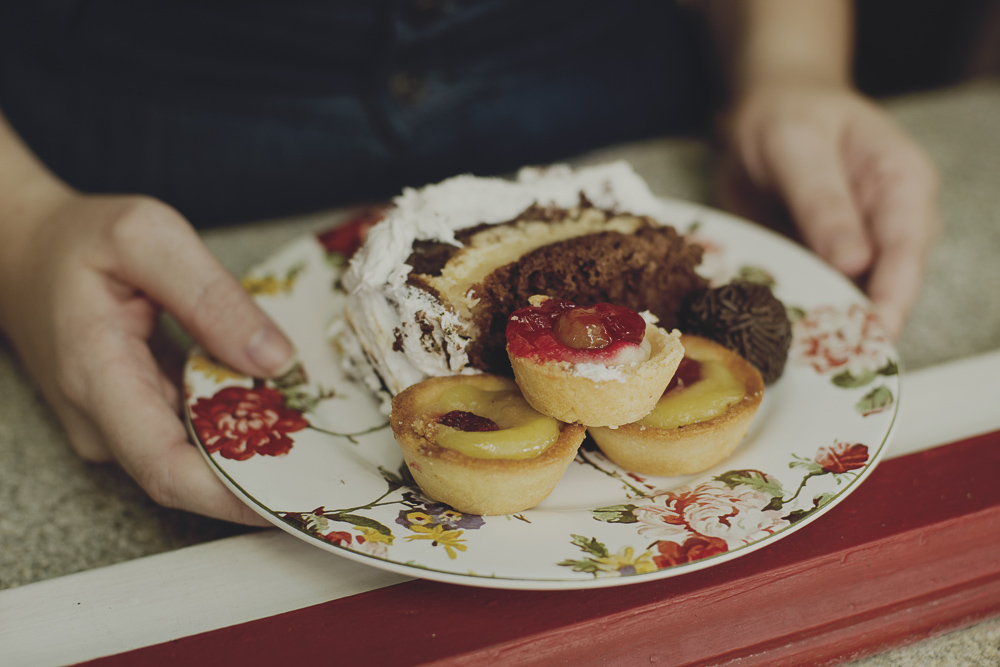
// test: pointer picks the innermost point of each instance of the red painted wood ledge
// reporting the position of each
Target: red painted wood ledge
(913, 552)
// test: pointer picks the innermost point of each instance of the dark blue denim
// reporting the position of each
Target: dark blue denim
(234, 110)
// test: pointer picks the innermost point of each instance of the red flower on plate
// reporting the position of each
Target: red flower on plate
(239, 422)
(346, 238)
(842, 457)
(694, 548)
(339, 537)
(834, 340)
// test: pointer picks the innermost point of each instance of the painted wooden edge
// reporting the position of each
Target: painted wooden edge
(883, 629)
(912, 552)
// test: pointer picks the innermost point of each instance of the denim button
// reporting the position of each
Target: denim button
(407, 87)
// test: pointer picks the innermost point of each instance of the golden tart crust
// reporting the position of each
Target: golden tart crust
(470, 484)
(693, 447)
(552, 387)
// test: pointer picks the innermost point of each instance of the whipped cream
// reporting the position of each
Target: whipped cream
(393, 334)
(628, 358)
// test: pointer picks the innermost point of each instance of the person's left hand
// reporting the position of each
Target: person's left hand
(861, 193)
(80, 300)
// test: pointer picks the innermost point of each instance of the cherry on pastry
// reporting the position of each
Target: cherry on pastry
(600, 365)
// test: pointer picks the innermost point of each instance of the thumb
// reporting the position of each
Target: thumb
(160, 253)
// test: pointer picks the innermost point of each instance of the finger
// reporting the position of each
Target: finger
(125, 397)
(808, 172)
(894, 286)
(83, 435)
(170, 359)
(905, 223)
(171, 394)
(161, 254)
(152, 445)
(181, 479)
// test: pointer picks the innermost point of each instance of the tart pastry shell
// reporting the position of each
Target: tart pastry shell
(690, 448)
(469, 484)
(554, 389)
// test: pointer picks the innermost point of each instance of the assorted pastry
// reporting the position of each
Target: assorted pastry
(603, 365)
(502, 320)
(474, 442)
(697, 422)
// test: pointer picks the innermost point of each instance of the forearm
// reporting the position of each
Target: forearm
(767, 42)
(28, 193)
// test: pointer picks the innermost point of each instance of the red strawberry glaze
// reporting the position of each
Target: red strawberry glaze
(533, 332)
(688, 372)
(467, 421)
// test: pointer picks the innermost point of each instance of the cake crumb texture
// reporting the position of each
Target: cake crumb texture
(652, 269)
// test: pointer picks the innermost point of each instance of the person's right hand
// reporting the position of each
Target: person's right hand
(80, 296)
(861, 192)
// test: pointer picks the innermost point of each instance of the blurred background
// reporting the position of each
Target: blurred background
(907, 46)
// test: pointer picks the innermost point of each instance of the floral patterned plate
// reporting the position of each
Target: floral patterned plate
(313, 454)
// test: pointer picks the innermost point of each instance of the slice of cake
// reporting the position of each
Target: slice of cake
(430, 292)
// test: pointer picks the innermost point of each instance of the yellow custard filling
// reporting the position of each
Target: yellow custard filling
(524, 432)
(710, 397)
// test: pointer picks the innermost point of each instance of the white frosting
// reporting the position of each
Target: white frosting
(628, 358)
(600, 372)
(404, 333)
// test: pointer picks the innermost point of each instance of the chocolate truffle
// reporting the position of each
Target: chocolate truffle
(745, 317)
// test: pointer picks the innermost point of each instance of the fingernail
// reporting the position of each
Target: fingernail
(271, 351)
(850, 257)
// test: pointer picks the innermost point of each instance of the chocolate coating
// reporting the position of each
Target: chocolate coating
(745, 317)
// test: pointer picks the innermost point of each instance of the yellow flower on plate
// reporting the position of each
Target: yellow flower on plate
(212, 369)
(626, 562)
(439, 534)
(372, 535)
(271, 284)
(419, 518)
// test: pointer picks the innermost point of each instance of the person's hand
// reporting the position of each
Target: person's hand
(80, 300)
(861, 193)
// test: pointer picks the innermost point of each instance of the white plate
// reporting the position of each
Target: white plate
(314, 455)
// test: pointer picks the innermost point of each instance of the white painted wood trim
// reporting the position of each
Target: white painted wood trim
(949, 402)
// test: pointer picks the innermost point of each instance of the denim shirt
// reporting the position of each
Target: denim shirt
(234, 110)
